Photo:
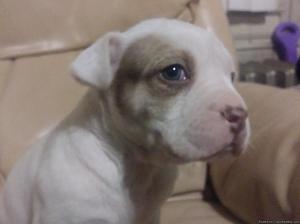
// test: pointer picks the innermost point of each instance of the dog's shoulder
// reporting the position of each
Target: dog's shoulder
(77, 153)
(65, 169)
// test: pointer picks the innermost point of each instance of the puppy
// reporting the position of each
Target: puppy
(160, 94)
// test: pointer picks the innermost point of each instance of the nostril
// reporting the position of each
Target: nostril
(234, 115)
(234, 118)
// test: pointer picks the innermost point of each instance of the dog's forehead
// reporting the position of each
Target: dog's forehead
(173, 31)
(200, 43)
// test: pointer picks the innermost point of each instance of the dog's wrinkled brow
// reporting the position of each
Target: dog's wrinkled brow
(149, 55)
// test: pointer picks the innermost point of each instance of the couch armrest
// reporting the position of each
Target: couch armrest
(264, 183)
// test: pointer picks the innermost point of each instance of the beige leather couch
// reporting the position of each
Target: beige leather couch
(38, 40)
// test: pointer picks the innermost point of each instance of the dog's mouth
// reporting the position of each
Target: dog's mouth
(235, 148)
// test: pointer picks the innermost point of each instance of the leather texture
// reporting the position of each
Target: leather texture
(5, 68)
(264, 183)
(47, 26)
(194, 210)
(191, 177)
(38, 93)
(1, 181)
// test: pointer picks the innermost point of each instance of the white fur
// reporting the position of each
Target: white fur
(97, 64)
(86, 172)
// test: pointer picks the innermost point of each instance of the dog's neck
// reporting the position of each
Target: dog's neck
(96, 117)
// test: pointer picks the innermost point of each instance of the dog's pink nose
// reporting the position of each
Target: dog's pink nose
(236, 116)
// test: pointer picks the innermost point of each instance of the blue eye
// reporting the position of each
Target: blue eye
(174, 73)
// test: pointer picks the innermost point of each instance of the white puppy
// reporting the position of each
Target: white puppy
(161, 94)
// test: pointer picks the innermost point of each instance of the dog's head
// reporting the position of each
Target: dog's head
(168, 88)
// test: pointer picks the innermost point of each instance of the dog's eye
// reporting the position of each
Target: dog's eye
(174, 73)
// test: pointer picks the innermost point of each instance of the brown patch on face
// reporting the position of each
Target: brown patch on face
(142, 63)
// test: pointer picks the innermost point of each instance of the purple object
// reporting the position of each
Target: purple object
(298, 70)
(285, 39)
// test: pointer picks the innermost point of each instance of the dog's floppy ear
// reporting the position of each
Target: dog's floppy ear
(97, 65)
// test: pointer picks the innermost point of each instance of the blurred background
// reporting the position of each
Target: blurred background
(263, 32)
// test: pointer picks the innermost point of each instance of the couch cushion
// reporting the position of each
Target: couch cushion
(193, 210)
(191, 177)
(35, 26)
(37, 94)
(5, 67)
(264, 183)
(1, 181)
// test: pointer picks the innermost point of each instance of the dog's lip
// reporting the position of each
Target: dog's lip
(235, 147)
(232, 148)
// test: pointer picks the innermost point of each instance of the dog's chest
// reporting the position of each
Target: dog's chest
(148, 187)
